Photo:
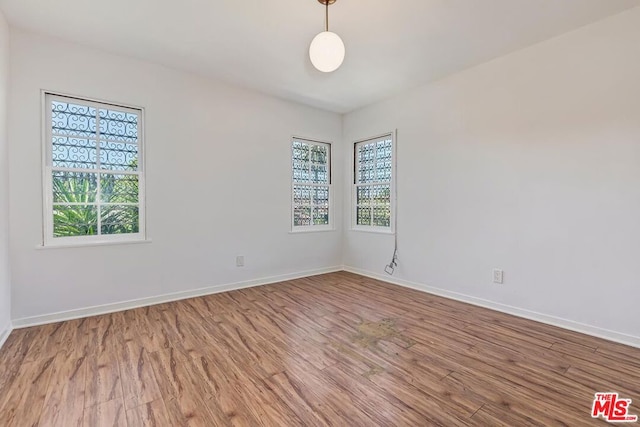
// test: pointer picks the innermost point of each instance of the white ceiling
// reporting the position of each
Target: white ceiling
(391, 45)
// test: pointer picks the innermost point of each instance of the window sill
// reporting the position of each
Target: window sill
(373, 230)
(310, 230)
(88, 244)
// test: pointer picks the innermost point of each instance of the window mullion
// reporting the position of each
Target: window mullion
(77, 170)
(119, 204)
(75, 203)
(99, 190)
(371, 206)
(375, 161)
(312, 195)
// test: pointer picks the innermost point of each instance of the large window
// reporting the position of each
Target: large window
(93, 173)
(311, 190)
(373, 184)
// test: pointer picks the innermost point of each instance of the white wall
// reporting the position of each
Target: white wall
(529, 163)
(218, 182)
(5, 276)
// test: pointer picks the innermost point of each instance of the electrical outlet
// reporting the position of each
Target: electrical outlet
(240, 261)
(498, 275)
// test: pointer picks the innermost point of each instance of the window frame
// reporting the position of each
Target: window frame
(320, 227)
(392, 185)
(48, 239)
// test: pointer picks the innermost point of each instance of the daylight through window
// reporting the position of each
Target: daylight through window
(373, 189)
(311, 163)
(93, 173)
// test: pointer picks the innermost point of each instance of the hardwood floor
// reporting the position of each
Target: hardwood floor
(336, 349)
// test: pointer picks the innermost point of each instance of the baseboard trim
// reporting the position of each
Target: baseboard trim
(4, 334)
(595, 331)
(571, 325)
(26, 322)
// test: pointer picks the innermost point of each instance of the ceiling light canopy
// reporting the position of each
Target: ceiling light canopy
(327, 49)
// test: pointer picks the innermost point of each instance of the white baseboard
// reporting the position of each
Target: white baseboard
(595, 331)
(4, 334)
(159, 299)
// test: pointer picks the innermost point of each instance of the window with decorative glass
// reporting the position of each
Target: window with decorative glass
(373, 184)
(93, 172)
(311, 189)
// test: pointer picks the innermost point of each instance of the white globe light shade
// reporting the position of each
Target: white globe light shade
(327, 51)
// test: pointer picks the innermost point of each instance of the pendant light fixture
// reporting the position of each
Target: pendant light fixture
(327, 49)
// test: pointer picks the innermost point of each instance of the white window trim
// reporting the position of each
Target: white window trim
(47, 183)
(354, 203)
(312, 228)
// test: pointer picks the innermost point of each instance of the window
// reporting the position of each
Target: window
(93, 174)
(373, 184)
(311, 195)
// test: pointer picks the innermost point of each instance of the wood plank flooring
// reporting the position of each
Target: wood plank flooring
(337, 349)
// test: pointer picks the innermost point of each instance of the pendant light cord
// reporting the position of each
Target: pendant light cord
(326, 26)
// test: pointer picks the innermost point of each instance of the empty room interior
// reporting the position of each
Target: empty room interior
(319, 212)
